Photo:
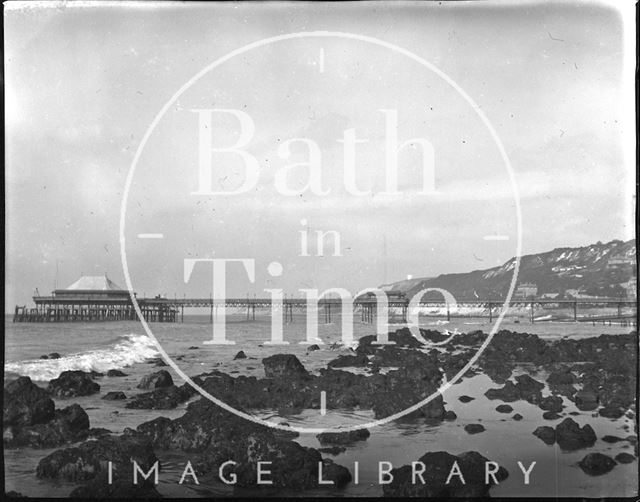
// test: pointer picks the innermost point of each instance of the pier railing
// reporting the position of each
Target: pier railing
(86, 308)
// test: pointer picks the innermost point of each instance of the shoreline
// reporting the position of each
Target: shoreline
(347, 459)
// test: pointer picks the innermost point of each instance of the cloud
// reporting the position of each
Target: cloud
(77, 108)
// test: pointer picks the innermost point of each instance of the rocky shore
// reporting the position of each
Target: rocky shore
(596, 374)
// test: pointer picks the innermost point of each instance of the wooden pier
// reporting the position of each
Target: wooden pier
(48, 309)
(93, 299)
(84, 307)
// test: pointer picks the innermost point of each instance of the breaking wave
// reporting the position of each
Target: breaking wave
(127, 350)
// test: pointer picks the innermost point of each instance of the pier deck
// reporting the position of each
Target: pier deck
(88, 308)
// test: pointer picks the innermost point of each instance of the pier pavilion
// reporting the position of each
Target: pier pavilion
(90, 298)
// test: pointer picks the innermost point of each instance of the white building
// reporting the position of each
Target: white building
(526, 290)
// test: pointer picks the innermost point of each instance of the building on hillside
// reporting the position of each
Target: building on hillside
(579, 294)
(621, 261)
(526, 290)
(632, 288)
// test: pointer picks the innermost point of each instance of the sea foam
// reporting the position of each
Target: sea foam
(128, 350)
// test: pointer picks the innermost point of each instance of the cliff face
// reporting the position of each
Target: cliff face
(595, 270)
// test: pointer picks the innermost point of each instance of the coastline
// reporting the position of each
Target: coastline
(448, 435)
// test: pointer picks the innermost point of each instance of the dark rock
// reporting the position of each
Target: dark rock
(391, 393)
(561, 377)
(343, 437)
(528, 386)
(313, 347)
(88, 462)
(283, 366)
(163, 398)
(44, 357)
(73, 384)
(525, 388)
(334, 472)
(504, 408)
(26, 404)
(74, 417)
(570, 436)
(417, 379)
(611, 439)
(95, 374)
(333, 450)
(116, 373)
(517, 417)
(438, 465)
(213, 436)
(507, 348)
(240, 355)
(474, 428)
(374, 369)
(611, 359)
(98, 432)
(498, 370)
(551, 403)
(508, 393)
(596, 464)
(54, 355)
(453, 364)
(564, 390)
(157, 361)
(471, 339)
(384, 394)
(286, 434)
(193, 347)
(450, 415)
(465, 399)
(387, 355)
(624, 458)
(586, 400)
(551, 415)
(347, 361)
(400, 338)
(114, 396)
(67, 425)
(156, 380)
(611, 412)
(546, 433)
(604, 379)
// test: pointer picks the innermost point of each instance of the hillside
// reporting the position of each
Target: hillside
(602, 270)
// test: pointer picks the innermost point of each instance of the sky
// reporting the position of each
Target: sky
(85, 83)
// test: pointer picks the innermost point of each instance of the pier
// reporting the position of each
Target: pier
(84, 308)
(91, 299)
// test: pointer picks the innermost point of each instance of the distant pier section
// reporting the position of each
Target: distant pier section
(97, 298)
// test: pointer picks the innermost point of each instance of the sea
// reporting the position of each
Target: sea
(125, 346)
